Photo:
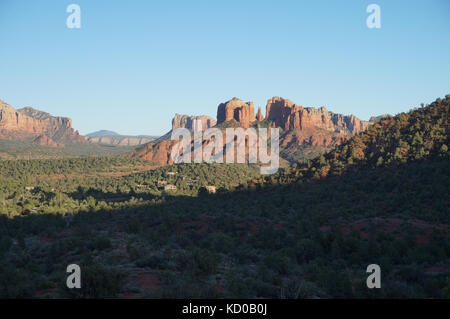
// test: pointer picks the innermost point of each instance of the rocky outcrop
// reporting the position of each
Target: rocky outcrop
(46, 141)
(376, 119)
(259, 116)
(290, 116)
(37, 126)
(158, 152)
(238, 110)
(187, 121)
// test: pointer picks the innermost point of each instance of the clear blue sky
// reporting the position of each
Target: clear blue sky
(134, 64)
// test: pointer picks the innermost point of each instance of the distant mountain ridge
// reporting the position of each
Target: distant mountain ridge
(103, 133)
(111, 138)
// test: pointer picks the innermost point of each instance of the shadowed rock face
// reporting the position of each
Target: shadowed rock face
(187, 121)
(46, 141)
(259, 116)
(37, 126)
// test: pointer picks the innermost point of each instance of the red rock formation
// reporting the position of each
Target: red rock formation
(242, 112)
(186, 121)
(37, 126)
(158, 152)
(289, 116)
(259, 116)
(44, 140)
(307, 131)
(277, 109)
(252, 117)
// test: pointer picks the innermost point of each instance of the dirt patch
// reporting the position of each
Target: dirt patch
(44, 239)
(441, 269)
(144, 281)
(42, 293)
(397, 227)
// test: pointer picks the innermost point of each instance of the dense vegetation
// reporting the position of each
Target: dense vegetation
(21, 169)
(310, 231)
(17, 149)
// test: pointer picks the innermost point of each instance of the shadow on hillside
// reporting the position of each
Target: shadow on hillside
(413, 190)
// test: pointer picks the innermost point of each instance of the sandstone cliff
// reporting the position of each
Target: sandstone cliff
(46, 141)
(39, 127)
(238, 110)
(187, 121)
(290, 116)
(158, 152)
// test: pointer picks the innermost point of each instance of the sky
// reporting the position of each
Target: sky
(133, 64)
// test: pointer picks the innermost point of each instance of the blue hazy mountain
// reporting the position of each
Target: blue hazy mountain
(103, 133)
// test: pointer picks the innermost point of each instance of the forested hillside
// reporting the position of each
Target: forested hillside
(420, 134)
